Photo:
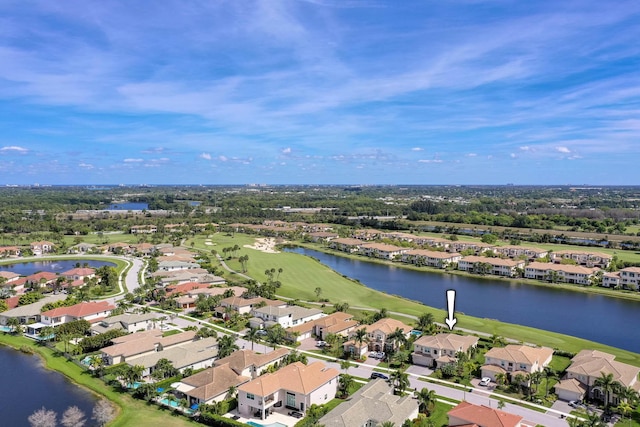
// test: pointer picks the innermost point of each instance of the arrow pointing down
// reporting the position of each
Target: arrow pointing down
(451, 306)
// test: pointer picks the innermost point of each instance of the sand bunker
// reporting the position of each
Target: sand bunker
(267, 244)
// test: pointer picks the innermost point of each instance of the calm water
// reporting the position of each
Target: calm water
(597, 318)
(128, 206)
(54, 266)
(26, 386)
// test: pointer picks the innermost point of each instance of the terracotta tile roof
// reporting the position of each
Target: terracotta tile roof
(484, 416)
(348, 241)
(142, 342)
(567, 268)
(240, 360)
(46, 275)
(185, 287)
(593, 363)
(296, 377)
(447, 341)
(9, 275)
(521, 354)
(383, 247)
(334, 322)
(79, 272)
(213, 382)
(493, 261)
(593, 254)
(631, 270)
(80, 310)
(388, 325)
(572, 385)
(433, 254)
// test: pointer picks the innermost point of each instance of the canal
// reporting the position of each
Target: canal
(608, 320)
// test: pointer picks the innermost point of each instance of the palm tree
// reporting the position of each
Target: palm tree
(231, 392)
(520, 380)
(359, 338)
(388, 424)
(607, 385)
(345, 382)
(502, 379)
(400, 380)
(96, 363)
(550, 375)
(536, 378)
(252, 336)
(345, 365)
(427, 400)
(425, 321)
(13, 323)
(397, 338)
(226, 346)
(46, 333)
(625, 408)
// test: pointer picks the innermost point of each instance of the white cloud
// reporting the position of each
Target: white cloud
(471, 155)
(85, 166)
(525, 148)
(286, 150)
(133, 160)
(417, 149)
(429, 161)
(14, 149)
(562, 149)
(205, 156)
(513, 155)
(223, 158)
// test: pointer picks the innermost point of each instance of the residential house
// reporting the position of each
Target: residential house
(382, 250)
(176, 265)
(295, 386)
(143, 249)
(515, 359)
(10, 251)
(42, 247)
(29, 313)
(143, 229)
(565, 273)
(434, 242)
(346, 244)
(212, 384)
(9, 276)
(477, 247)
(520, 251)
(372, 405)
(197, 354)
(495, 266)
(611, 279)
(589, 365)
(130, 347)
(589, 259)
(377, 336)
(338, 323)
(630, 278)
(323, 236)
(367, 234)
(128, 322)
(469, 415)
(79, 274)
(431, 258)
(441, 349)
(285, 316)
(90, 311)
(38, 280)
(82, 248)
(245, 305)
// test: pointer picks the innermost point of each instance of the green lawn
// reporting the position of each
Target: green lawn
(302, 274)
(439, 414)
(132, 412)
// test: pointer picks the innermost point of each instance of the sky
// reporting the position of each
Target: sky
(320, 92)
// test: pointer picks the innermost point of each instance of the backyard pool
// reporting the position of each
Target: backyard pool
(276, 424)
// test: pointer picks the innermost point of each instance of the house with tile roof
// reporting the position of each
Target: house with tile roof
(372, 405)
(10, 251)
(565, 273)
(441, 349)
(241, 366)
(90, 311)
(382, 250)
(42, 247)
(133, 346)
(377, 336)
(194, 354)
(128, 322)
(497, 266)
(470, 415)
(9, 276)
(585, 258)
(346, 244)
(38, 280)
(589, 365)
(515, 359)
(338, 323)
(79, 273)
(516, 251)
(293, 387)
(435, 259)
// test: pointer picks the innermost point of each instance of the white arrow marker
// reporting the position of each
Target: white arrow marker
(451, 307)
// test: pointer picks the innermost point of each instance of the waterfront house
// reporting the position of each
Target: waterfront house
(565, 273)
(9, 276)
(430, 258)
(588, 259)
(520, 251)
(10, 251)
(515, 359)
(128, 322)
(372, 405)
(195, 354)
(293, 387)
(441, 349)
(381, 250)
(90, 311)
(469, 415)
(38, 280)
(130, 347)
(611, 279)
(346, 244)
(630, 278)
(495, 266)
(78, 274)
(323, 236)
(81, 248)
(29, 313)
(42, 247)
(285, 316)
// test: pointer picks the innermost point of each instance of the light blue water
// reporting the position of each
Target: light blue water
(171, 403)
(276, 424)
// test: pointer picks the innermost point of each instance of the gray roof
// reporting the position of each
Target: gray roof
(374, 401)
(32, 309)
(121, 321)
(181, 356)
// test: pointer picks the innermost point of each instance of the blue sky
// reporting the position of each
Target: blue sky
(320, 92)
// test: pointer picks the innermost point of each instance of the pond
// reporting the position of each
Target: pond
(128, 206)
(26, 386)
(54, 266)
(597, 318)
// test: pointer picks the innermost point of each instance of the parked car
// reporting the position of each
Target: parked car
(376, 375)
(261, 332)
(576, 404)
(321, 344)
(485, 381)
(296, 414)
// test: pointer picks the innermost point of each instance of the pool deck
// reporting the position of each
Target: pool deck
(273, 418)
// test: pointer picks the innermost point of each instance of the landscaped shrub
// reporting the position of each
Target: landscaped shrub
(76, 327)
(99, 341)
(218, 420)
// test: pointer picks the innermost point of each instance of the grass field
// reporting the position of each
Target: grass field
(301, 275)
(132, 412)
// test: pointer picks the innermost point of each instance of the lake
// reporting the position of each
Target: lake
(597, 318)
(54, 266)
(127, 206)
(26, 386)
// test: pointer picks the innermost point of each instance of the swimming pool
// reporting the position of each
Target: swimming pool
(172, 403)
(276, 424)
(6, 329)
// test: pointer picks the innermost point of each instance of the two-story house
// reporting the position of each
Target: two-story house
(564, 273)
(431, 258)
(588, 259)
(496, 266)
(296, 386)
(511, 251)
(346, 244)
(515, 359)
(441, 349)
(285, 316)
(377, 336)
